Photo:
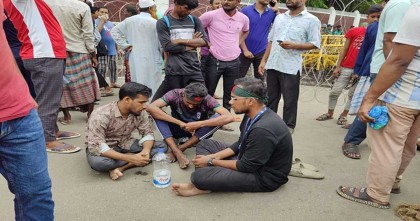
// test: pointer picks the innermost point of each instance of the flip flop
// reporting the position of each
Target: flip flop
(63, 122)
(362, 198)
(305, 165)
(67, 135)
(298, 170)
(64, 149)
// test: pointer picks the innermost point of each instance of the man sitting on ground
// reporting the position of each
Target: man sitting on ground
(258, 162)
(195, 114)
(111, 147)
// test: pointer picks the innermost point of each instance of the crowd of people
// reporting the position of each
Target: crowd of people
(63, 49)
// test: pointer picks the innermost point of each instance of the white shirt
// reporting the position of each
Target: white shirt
(302, 28)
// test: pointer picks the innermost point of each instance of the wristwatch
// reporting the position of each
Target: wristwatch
(210, 162)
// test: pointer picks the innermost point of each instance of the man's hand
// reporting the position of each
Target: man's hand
(94, 62)
(287, 45)
(248, 54)
(104, 18)
(197, 35)
(200, 161)
(138, 160)
(337, 72)
(364, 111)
(192, 126)
(128, 49)
(261, 68)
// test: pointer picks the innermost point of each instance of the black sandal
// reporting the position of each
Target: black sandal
(362, 198)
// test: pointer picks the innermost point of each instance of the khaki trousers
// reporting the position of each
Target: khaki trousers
(392, 149)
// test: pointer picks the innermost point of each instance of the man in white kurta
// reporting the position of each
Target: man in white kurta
(138, 34)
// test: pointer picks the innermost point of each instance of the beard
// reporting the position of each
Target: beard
(135, 114)
(229, 9)
(293, 7)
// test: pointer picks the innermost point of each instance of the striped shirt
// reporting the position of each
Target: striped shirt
(38, 29)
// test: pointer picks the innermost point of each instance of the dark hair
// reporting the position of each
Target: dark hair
(253, 85)
(195, 90)
(211, 2)
(101, 7)
(132, 9)
(374, 9)
(93, 9)
(192, 4)
(132, 89)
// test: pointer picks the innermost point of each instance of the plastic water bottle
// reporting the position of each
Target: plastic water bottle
(161, 172)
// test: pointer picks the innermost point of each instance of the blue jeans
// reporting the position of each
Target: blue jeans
(23, 162)
(356, 133)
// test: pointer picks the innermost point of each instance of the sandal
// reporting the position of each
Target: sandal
(64, 148)
(351, 151)
(342, 120)
(63, 122)
(324, 117)
(61, 135)
(347, 126)
(362, 198)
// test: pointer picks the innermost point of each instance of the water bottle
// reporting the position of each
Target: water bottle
(161, 172)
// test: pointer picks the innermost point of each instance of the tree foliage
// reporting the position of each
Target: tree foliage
(342, 5)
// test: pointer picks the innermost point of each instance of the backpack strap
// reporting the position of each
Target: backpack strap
(167, 22)
(192, 19)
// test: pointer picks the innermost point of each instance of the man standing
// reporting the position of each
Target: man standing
(110, 145)
(259, 161)
(137, 35)
(43, 53)
(194, 115)
(261, 16)
(293, 32)
(180, 34)
(24, 162)
(345, 65)
(108, 62)
(81, 85)
(397, 87)
(227, 28)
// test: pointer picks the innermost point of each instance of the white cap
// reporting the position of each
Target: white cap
(146, 3)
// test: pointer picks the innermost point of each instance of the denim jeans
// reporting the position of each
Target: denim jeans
(356, 133)
(23, 162)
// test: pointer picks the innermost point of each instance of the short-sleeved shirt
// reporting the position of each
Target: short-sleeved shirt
(16, 100)
(355, 36)
(364, 58)
(224, 33)
(259, 27)
(302, 28)
(38, 29)
(406, 91)
(180, 111)
(390, 21)
(106, 36)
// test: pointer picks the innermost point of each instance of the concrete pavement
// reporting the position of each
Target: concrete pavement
(83, 194)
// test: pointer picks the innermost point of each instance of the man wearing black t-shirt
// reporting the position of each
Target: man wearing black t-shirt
(180, 34)
(259, 161)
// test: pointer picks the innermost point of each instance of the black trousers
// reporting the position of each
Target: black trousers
(230, 72)
(26, 75)
(176, 81)
(255, 61)
(219, 178)
(204, 65)
(279, 84)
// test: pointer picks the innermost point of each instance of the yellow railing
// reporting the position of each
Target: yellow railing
(325, 57)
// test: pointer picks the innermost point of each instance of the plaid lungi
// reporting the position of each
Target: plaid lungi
(80, 82)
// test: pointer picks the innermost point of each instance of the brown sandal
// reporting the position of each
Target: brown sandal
(324, 117)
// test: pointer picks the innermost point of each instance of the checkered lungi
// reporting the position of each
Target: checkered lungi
(80, 81)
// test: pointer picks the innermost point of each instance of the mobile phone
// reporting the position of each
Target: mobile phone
(272, 3)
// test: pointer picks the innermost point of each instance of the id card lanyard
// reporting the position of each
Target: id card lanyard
(248, 126)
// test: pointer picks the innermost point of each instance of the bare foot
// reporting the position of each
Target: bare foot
(182, 160)
(171, 157)
(115, 174)
(187, 189)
